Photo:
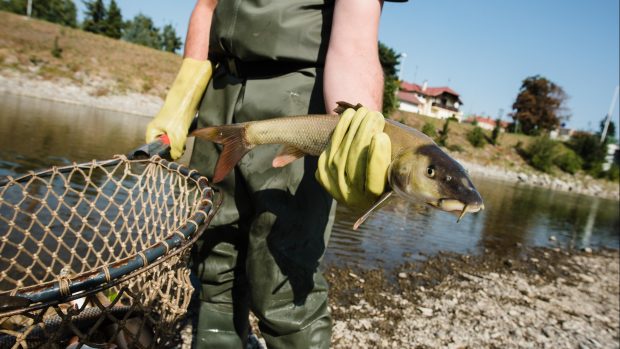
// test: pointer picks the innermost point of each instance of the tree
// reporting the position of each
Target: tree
(539, 105)
(95, 16)
(170, 41)
(590, 149)
(113, 21)
(611, 131)
(389, 61)
(496, 132)
(141, 30)
(56, 11)
(15, 6)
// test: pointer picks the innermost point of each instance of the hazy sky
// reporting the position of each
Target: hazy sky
(483, 49)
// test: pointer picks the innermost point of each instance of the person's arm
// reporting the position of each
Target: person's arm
(353, 168)
(352, 70)
(197, 40)
(182, 100)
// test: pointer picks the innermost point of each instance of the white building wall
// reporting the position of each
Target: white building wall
(408, 107)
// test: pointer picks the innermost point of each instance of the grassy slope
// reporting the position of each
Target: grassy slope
(113, 65)
(502, 155)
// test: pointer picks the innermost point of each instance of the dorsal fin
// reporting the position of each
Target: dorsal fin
(342, 106)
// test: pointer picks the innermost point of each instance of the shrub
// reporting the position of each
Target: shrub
(442, 140)
(569, 161)
(614, 173)
(56, 50)
(590, 149)
(429, 130)
(496, 132)
(542, 153)
(476, 137)
(456, 148)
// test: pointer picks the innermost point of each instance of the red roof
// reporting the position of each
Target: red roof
(408, 97)
(429, 91)
(485, 120)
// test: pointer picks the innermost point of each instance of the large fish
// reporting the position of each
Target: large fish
(419, 171)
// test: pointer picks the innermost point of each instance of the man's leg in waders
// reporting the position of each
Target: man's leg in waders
(219, 257)
(286, 217)
(292, 222)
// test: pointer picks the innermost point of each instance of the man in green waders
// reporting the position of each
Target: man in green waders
(257, 59)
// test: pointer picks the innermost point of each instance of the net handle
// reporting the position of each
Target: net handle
(160, 146)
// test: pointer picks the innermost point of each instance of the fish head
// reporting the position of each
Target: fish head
(430, 175)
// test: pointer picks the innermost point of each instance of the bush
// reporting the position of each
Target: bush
(496, 132)
(456, 148)
(542, 153)
(56, 50)
(442, 140)
(569, 161)
(476, 137)
(590, 149)
(614, 173)
(429, 130)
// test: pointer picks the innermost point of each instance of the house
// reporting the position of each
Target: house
(437, 102)
(486, 122)
(562, 133)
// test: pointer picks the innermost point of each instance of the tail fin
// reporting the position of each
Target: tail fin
(232, 137)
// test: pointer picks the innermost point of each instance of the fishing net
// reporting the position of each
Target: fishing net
(96, 253)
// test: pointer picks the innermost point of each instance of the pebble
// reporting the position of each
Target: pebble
(426, 311)
(402, 275)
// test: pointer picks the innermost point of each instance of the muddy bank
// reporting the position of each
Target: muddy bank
(542, 298)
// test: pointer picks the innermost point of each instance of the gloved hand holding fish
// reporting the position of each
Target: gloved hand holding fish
(355, 171)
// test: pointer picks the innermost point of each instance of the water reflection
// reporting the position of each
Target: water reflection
(37, 134)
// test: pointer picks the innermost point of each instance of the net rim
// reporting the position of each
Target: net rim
(82, 284)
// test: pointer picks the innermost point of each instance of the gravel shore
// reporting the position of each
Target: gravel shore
(541, 299)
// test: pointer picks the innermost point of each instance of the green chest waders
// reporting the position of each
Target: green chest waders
(263, 248)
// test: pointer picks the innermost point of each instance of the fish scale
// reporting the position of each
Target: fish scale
(310, 133)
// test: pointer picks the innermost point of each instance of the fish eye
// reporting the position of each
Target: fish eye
(430, 171)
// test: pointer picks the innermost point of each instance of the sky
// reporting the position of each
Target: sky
(484, 49)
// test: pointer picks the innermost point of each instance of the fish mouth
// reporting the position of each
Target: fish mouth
(457, 206)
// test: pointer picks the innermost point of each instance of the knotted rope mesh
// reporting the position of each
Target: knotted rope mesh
(96, 253)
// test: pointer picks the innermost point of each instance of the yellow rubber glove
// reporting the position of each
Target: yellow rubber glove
(181, 104)
(353, 168)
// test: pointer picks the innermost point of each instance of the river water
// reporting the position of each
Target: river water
(36, 134)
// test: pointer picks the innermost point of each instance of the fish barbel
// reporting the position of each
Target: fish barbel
(420, 170)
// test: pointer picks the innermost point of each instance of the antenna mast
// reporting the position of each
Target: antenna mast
(611, 110)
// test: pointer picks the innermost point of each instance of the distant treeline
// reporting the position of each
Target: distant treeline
(100, 19)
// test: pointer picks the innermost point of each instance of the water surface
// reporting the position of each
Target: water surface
(37, 134)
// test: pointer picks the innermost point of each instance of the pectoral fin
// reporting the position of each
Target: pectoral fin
(287, 155)
(383, 199)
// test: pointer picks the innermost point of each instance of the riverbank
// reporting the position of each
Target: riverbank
(542, 298)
